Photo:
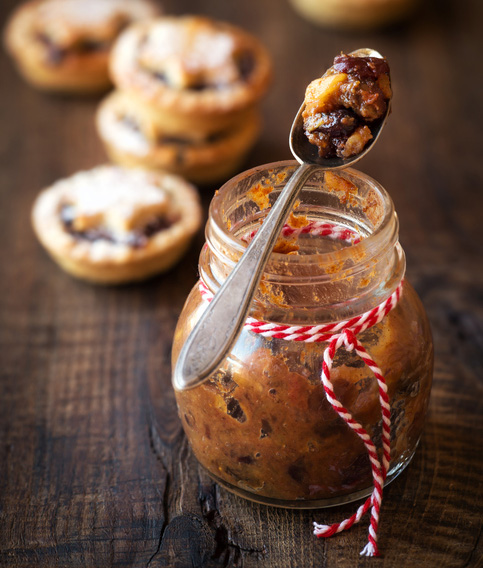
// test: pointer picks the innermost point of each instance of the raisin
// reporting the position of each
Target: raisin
(55, 54)
(364, 68)
(266, 428)
(234, 409)
(246, 64)
(245, 459)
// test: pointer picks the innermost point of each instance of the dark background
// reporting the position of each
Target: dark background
(94, 467)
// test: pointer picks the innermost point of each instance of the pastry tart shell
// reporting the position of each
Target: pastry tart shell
(75, 72)
(129, 76)
(117, 263)
(201, 162)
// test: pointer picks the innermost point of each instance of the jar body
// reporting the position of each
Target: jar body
(261, 424)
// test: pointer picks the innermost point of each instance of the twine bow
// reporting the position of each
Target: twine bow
(348, 340)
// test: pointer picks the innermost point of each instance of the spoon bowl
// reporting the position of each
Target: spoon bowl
(224, 317)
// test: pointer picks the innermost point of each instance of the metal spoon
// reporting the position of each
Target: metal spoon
(220, 324)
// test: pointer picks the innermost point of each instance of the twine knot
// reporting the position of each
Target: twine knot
(347, 339)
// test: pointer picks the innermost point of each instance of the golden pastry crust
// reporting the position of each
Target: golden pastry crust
(191, 66)
(171, 121)
(132, 140)
(64, 45)
(111, 225)
(354, 14)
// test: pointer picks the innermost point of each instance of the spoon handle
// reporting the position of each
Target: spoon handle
(221, 322)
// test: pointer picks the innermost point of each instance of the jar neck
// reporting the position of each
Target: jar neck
(341, 255)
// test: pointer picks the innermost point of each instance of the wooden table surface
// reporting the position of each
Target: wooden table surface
(94, 467)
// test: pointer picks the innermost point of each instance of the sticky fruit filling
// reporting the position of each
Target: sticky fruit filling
(137, 238)
(343, 107)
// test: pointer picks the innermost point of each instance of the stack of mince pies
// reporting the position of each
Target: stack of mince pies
(187, 98)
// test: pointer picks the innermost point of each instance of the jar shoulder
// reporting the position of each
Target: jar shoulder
(407, 321)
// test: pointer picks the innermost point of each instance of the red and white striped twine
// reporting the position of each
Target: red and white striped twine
(316, 228)
(342, 334)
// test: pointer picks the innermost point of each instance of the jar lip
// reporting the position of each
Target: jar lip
(370, 243)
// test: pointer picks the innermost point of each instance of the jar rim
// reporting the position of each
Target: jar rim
(386, 229)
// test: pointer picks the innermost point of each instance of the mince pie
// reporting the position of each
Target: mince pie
(64, 45)
(131, 139)
(191, 72)
(112, 225)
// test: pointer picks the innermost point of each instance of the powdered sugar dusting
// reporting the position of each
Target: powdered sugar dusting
(199, 48)
(188, 51)
(114, 197)
(165, 40)
(119, 134)
(209, 50)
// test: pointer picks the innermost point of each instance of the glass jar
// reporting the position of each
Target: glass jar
(261, 424)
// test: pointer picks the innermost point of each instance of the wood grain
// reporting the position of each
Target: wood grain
(94, 467)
